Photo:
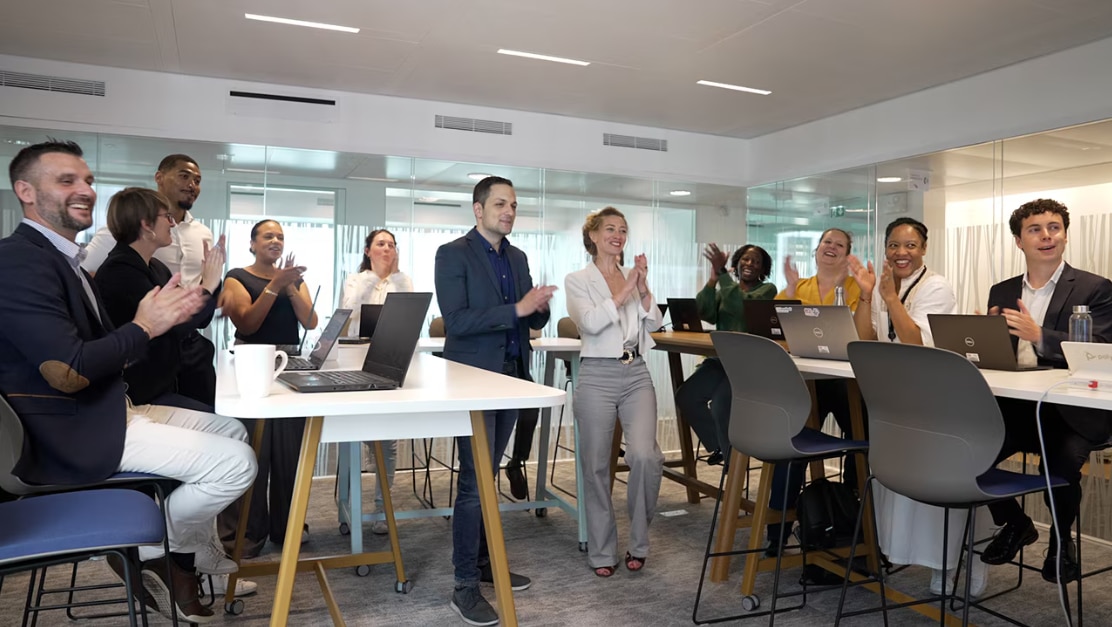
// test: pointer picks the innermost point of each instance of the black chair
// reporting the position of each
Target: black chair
(771, 404)
(934, 435)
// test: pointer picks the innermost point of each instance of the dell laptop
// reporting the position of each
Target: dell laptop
(685, 315)
(324, 344)
(388, 357)
(817, 331)
(762, 317)
(983, 340)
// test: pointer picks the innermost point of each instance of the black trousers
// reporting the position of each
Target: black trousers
(197, 375)
(708, 384)
(523, 433)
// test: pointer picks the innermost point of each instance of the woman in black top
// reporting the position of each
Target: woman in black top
(140, 220)
(266, 301)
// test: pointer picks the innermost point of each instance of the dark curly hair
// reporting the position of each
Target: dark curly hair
(766, 261)
(919, 227)
(1037, 207)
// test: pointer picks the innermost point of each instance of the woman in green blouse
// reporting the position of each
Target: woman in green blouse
(721, 302)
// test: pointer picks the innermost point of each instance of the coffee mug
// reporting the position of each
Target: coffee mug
(255, 368)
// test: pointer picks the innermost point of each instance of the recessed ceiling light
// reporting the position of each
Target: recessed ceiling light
(680, 192)
(478, 176)
(541, 57)
(763, 92)
(250, 171)
(427, 199)
(888, 179)
(287, 21)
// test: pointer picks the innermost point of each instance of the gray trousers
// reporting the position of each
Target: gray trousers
(607, 391)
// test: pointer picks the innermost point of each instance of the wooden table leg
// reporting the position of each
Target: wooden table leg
(388, 511)
(687, 447)
(241, 524)
(727, 515)
(291, 546)
(492, 520)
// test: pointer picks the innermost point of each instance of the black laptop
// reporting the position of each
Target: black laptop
(685, 315)
(324, 344)
(762, 317)
(368, 320)
(983, 340)
(388, 357)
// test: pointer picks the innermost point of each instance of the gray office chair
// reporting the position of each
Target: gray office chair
(768, 416)
(565, 328)
(934, 436)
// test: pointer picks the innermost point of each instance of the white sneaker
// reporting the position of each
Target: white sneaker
(977, 584)
(211, 560)
(379, 528)
(936, 581)
(219, 586)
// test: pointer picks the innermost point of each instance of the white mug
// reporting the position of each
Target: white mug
(255, 371)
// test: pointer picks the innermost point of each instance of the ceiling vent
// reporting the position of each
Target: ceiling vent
(51, 83)
(493, 127)
(425, 203)
(629, 141)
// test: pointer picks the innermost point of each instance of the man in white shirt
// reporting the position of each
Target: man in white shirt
(179, 179)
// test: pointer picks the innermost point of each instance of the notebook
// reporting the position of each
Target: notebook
(324, 345)
(983, 340)
(762, 317)
(1089, 363)
(685, 315)
(388, 357)
(294, 350)
(368, 320)
(818, 331)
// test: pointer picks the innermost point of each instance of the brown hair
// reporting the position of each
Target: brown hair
(1037, 207)
(132, 206)
(366, 265)
(594, 223)
(849, 237)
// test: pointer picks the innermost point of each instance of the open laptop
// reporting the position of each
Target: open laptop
(817, 331)
(294, 350)
(762, 317)
(388, 357)
(368, 320)
(324, 344)
(685, 315)
(1090, 363)
(983, 340)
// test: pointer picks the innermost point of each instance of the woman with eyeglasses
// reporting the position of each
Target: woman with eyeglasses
(140, 221)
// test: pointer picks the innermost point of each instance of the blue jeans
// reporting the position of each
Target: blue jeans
(469, 544)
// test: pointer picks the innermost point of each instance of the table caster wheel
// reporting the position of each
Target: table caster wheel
(345, 529)
(403, 587)
(582, 547)
(362, 570)
(541, 512)
(750, 602)
(235, 608)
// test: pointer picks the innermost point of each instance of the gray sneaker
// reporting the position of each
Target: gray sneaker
(517, 582)
(469, 603)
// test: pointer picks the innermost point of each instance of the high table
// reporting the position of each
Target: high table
(439, 399)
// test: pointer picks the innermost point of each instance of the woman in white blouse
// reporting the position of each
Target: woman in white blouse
(378, 276)
(894, 308)
(615, 312)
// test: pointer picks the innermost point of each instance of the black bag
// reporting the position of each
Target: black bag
(827, 513)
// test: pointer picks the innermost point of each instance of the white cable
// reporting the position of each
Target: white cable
(1050, 499)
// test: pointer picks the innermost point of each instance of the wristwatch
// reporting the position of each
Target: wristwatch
(722, 270)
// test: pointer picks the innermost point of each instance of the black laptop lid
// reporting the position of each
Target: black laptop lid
(328, 336)
(685, 314)
(983, 340)
(762, 317)
(395, 338)
(368, 319)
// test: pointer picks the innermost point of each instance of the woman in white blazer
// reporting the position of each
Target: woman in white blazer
(615, 312)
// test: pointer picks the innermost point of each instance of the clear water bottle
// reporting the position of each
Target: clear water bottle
(1081, 324)
(840, 298)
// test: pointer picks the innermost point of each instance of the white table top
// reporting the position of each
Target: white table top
(540, 344)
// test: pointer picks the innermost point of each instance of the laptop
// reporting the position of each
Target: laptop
(685, 315)
(817, 331)
(983, 340)
(294, 350)
(663, 310)
(762, 317)
(324, 344)
(388, 357)
(1090, 363)
(368, 320)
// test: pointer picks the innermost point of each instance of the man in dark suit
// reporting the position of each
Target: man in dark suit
(489, 304)
(61, 372)
(1037, 306)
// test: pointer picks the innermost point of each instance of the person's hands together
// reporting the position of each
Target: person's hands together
(535, 300)
(641, 264)
(288, 273)
(212, 268)
(888, 284)
(166, 307)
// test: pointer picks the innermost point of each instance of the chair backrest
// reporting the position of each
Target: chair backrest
(11, 449)
(934, 425)
(436, 327)
(566, 327)
(770, 403)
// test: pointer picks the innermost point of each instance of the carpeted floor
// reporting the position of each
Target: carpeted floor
(564, 591)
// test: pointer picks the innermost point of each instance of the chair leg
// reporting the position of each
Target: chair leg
(707, 552)
(867, 502)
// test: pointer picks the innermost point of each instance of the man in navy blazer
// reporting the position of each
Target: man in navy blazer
(61, 372)
(1038, 306)
(488, 302)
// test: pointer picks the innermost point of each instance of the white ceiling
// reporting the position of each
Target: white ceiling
(818, 57)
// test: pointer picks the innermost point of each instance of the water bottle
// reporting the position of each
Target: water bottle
(840, 299)
(1081, 324)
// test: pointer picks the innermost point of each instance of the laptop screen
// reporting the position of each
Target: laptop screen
(329, 335)
(395, 338)
(685, 314)
(762, 317)
(368, 320)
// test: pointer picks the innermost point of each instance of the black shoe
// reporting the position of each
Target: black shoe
(715, 458)
(1009, 541)
(469, 603)
(519, 488)
(517, 582)
(116, 563)
(1071, 571)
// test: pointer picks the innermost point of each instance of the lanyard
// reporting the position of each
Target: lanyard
(903, 299)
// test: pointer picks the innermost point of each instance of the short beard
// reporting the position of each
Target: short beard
(64, 221)
(185, 205)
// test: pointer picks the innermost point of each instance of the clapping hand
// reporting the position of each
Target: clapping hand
(288, 273)
(212, 268)
(641, 266)
(168, 306)
(535, 300)
(862, 273)
(888, 284)
(716, 257)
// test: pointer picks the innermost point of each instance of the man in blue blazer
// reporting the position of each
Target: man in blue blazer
(62, 373)
(488, 302)
(1037, 306)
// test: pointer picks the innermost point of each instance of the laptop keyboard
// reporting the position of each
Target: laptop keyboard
(356, 377)
(299, 363)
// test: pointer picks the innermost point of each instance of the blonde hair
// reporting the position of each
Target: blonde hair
(594, 223)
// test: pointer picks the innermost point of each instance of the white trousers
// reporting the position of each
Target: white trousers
(209, 454)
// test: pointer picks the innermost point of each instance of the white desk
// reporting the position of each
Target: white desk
(440, 398)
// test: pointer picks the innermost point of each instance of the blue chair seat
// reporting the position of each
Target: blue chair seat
(77, 522)
(1001, 484)
(812, 442)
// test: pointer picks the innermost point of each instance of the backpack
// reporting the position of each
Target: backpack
(827, 513)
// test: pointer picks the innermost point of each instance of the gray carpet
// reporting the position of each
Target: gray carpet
(564, 591)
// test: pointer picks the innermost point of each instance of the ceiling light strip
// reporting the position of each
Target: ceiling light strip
(542, 57)
(751, 90)
(289, 22)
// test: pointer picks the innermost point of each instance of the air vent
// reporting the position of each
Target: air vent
(629, 141)
(52, 83)
(493, 127)
(436, 204)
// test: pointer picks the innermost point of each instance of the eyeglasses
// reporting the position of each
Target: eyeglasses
(169, 218)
